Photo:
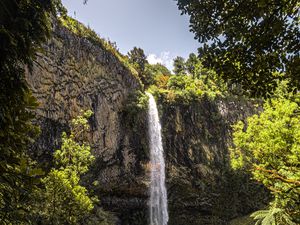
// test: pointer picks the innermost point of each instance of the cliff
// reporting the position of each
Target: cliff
(74, 73)
(201, 184)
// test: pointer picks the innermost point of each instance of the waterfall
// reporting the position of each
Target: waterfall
(158, 194)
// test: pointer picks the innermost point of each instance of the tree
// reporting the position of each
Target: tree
(156, 74)
(159, 69)
(179, 66)
(24, 26)
(247, 42)
(194, 65)
(269, 146)
(138, 58)
(64, 200)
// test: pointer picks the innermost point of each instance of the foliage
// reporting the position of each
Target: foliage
(185, 88)
(191, 82)
(24, 26)
(81, 30)
(148, 74)
(156, 74)
(138, 58)
(161, 81)
(269, 146)
(64, 200)
(137, 102)
(179, 66)
(273, 216)
(247, 46)
(194, 65)
(159, 69)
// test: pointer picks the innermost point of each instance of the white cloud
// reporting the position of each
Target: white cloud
(164, 58)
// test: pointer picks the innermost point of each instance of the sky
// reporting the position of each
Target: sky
(156, 26)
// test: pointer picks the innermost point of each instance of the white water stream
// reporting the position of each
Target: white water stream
(158, 194)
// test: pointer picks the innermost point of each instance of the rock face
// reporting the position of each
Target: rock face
(202, 188)
(74, 74)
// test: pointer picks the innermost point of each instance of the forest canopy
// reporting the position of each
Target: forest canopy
(249, 43)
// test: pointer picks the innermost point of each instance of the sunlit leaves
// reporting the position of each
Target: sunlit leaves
(247, 41)
(269, 146)
(65, 201)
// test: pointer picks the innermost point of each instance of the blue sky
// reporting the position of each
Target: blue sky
(153, 25)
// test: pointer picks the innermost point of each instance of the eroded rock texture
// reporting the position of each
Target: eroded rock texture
(202, 189)
(74, 74)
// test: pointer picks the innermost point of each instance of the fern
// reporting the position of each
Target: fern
(273, 216)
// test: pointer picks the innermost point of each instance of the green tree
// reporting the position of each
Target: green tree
(194, 66)
(156, 74)
(64, 200)
(246, 42)
(138, 58)
(269, 146)
(179, 66)
(159, 69)
(24, 26)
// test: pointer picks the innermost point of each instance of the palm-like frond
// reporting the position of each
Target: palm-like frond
(272, 216)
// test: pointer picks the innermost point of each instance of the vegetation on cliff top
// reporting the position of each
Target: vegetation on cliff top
(86, 32)
(190, 82)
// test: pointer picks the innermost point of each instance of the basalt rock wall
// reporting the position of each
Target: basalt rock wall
(74, 74)
(202, 188)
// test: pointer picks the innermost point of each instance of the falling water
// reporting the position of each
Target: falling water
(158, 193)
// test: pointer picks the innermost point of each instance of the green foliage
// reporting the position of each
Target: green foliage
(138, 58)
(24, 26)
(64, 200)
(147, 73)
(137, 102)
(194, 65)
(185, 88)
(190, 82)
(269, 146)
(245, 42)
(156, 74)
(159, 69)
(134, 112)
(81, 30)
(273, 216)
(179, 66)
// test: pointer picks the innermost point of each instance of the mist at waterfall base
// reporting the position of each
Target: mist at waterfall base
(158, 204)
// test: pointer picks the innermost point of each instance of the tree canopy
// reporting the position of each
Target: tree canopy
(138, 57)
(248, 42)
(64, 200)
(179, 66)
(269, 146)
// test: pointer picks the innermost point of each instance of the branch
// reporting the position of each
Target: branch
(274, 174)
